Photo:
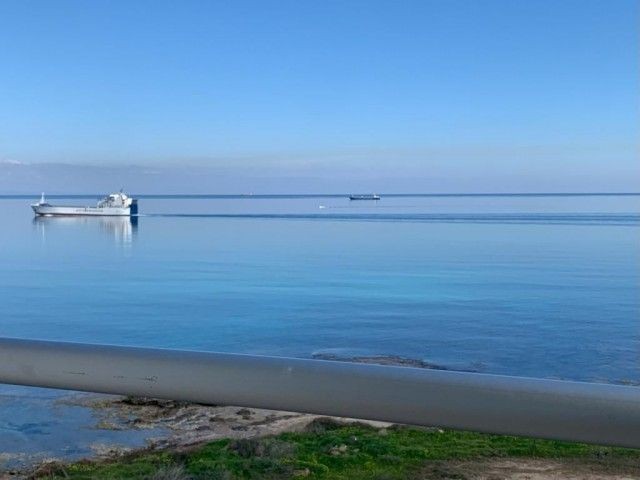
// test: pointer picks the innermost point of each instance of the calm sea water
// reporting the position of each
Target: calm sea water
(543, 286)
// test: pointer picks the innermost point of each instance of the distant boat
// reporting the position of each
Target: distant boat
(113, 205)
(370, 196)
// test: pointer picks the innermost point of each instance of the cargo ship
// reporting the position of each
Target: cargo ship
(113, 205)
(370, 196)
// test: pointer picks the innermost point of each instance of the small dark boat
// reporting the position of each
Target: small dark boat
(371, 196)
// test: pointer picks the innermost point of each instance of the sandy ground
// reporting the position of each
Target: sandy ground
(528, 469)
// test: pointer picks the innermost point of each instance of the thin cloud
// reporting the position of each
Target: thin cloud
(11, 161)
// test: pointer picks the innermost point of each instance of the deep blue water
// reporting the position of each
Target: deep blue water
(543, 286)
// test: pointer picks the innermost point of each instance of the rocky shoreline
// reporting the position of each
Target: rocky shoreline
(186, 424)
(181, 425)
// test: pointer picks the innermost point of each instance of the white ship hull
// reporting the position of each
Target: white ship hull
(50, 210)
(113, 205)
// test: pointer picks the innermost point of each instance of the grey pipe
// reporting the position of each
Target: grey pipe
(585, 412)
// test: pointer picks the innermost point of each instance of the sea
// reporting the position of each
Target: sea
(532, 285)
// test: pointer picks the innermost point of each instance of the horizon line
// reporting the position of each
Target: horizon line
(332, 195)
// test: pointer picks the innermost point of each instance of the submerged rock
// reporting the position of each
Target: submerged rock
(392, 360)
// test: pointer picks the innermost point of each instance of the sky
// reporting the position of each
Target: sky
(327, 96)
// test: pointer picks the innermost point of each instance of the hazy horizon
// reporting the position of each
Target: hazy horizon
(31, 179)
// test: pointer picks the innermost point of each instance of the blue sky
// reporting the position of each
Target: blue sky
(425, 95)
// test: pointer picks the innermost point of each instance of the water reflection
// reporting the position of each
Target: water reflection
(123, 230)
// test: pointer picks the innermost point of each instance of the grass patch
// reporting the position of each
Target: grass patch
(329, 450)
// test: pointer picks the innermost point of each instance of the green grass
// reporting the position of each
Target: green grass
(331, 451)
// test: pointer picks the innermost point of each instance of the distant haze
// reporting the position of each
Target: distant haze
(308, 97)
(83, 179)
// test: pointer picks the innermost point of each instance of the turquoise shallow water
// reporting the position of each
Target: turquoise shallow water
(544, 286)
